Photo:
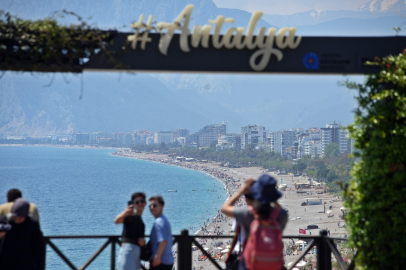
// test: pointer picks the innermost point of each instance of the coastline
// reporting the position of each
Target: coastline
(232, 178)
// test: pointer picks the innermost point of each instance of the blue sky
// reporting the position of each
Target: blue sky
(291, 6)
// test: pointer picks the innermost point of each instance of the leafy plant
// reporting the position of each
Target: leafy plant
(375, 195)
(45, 45)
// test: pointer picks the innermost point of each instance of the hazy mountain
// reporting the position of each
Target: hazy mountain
(115, 14)
(381, 26)
(110, 103)
(370, 10)
(274, 101)
(167, 101)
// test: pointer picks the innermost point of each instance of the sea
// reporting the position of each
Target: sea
(79, 191)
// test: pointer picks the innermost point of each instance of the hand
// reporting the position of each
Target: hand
(156, 261)
(141, 242)
(245, 188)
(2, 234)
(129, 210)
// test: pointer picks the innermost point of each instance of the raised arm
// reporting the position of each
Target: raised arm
(228, 207)
(127, 212)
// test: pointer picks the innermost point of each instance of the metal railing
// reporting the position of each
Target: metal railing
(324, 244)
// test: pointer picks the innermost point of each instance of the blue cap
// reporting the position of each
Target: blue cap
(264, 189)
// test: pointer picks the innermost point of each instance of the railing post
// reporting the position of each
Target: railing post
(323, 252)
(44, 252)
(184, 251)
(113, 253)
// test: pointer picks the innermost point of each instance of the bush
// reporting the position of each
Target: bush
(375, 195)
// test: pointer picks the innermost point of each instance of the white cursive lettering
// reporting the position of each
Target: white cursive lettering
(268, 43)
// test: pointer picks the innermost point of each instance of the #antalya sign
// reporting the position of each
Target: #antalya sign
(266, 43)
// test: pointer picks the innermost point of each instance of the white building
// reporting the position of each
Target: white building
(181, 140)
(210, 133)
(149, 140)
(334, 133)
(281, 140)
(163, 137)
(312, 148)
(223, 143)
(252, 135)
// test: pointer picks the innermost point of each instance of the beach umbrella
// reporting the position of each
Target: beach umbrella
(206, 248)
(225, 251)
(328, 212)
(300, 242)
(219, 248)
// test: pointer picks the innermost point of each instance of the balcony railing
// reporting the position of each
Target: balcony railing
(324, 244)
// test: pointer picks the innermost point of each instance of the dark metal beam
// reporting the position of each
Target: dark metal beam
(94, 256)
(304, 252)
(329, 55)
(60, 254)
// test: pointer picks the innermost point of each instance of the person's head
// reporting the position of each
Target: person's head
(138, 199)
(264, 190)
(249, 199)
(19, 211)
(156, 205)
(260, 210)
(13, 194)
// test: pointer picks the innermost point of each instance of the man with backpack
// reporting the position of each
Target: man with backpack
(257, 193)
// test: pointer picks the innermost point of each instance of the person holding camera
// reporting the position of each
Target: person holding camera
(133, 232)
(21, 242)
(252, 191)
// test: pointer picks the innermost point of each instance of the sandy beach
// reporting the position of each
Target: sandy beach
(299, 216)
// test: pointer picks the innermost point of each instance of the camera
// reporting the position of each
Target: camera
(130, 202)
(4, 225)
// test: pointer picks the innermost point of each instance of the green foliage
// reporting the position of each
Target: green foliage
(44, 45)
(332, 150)
(375, 195)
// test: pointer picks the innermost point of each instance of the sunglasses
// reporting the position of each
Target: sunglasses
(140, 201)
(153, 205)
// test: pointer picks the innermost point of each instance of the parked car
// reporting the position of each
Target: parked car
(309, 227)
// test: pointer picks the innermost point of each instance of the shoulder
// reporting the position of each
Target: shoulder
(162, 221)
(242, 212)
(33, 207)
(283, 213)
(5, 207)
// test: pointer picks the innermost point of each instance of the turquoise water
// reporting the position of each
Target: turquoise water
(80, 191)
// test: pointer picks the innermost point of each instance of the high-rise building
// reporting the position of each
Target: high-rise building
(209, 134)
(334, 133)
(281, 140)
(180, 132)
(163, 137)
(252, 135)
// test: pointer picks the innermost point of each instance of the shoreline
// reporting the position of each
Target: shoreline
(232, 178)
(151, 159)
(299, 216)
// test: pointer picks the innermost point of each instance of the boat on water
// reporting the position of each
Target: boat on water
(172, 190)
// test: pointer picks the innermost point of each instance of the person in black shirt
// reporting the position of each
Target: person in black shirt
(133, 233)
(22, 245)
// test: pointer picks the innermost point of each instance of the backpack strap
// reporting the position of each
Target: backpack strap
(274, 214)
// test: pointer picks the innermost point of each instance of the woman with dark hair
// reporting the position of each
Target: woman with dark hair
(264, 247)
(133, 233)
